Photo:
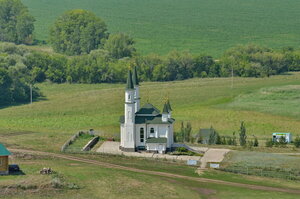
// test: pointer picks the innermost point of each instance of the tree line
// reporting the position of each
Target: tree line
(100, 67)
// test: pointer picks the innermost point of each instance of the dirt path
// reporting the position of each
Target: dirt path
(198, 179)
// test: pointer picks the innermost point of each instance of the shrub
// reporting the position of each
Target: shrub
(255, 144)
(181, 149)
(269, 143)
(297, 142)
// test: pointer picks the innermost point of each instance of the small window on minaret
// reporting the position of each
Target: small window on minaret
(128, 97)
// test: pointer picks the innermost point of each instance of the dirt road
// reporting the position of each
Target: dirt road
(164, 174)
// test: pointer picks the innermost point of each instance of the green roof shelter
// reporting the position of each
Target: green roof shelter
(4, 154)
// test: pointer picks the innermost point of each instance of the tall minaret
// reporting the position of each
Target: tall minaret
(137, 90)
(129, 130)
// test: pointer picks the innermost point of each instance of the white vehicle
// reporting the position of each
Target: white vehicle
(287, 136)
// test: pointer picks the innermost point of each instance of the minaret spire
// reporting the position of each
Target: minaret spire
(135, 78)
(129, 81)
(135, 81)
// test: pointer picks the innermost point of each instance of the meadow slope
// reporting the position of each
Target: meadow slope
(68, 108)
(200, 26)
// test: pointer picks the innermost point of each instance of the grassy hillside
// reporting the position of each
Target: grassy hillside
(200, 26)
(68, 108)
(277, 100)
(97, 182)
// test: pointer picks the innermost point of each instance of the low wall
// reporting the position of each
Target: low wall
(91, 144)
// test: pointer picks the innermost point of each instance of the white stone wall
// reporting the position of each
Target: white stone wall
(156, 147)
(137, 98)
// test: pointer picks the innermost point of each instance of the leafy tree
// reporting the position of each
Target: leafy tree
(188, 131)
(178, 66)
(297, 142)
(16, 24)
(119, 46)
(15, 78)
(201, 65)
(250, 144)
(234, 142)
(229, 141)
(77, 32)
(269, 143)
(255, 144)
(5, 85)
(213, 138)
(219, 139)
(243, 136)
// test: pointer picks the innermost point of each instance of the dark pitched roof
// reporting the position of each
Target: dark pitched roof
(169, 106)
(148, 120)
(152, 120)
(156, 140)
(166, 109)
(135, 78)
(4, 151)
(148, 109)
(129, 81)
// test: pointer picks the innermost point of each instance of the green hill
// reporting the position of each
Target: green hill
(200, 26)
(69, 108)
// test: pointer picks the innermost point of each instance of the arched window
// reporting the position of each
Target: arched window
(142, 134)
(129, 97)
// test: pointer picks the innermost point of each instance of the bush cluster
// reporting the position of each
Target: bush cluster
(15, 77)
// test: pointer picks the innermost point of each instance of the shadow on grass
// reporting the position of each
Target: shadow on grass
(41, 98)
(16, 173)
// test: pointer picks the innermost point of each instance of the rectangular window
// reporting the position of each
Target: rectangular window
(142, 134)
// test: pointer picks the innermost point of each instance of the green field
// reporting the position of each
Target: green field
(263, 164)
(278, 100)
(68, 108)
(199, 26)
(81, 180)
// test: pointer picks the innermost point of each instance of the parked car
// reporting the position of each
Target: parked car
(13, 168)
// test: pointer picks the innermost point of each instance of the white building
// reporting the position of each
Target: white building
(144, 128)
(287, 137)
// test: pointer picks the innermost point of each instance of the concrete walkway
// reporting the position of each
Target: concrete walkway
(213, 155)
(113, 148)
(210, 155)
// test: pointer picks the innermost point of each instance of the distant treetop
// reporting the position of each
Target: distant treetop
(78, 32)
(16, 24)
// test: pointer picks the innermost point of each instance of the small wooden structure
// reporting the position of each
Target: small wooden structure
(4, 153)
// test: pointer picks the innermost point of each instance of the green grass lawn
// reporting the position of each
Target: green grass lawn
(96, 182)
(80, 142)
(199, 26)
(278, 100)
(69, 108)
